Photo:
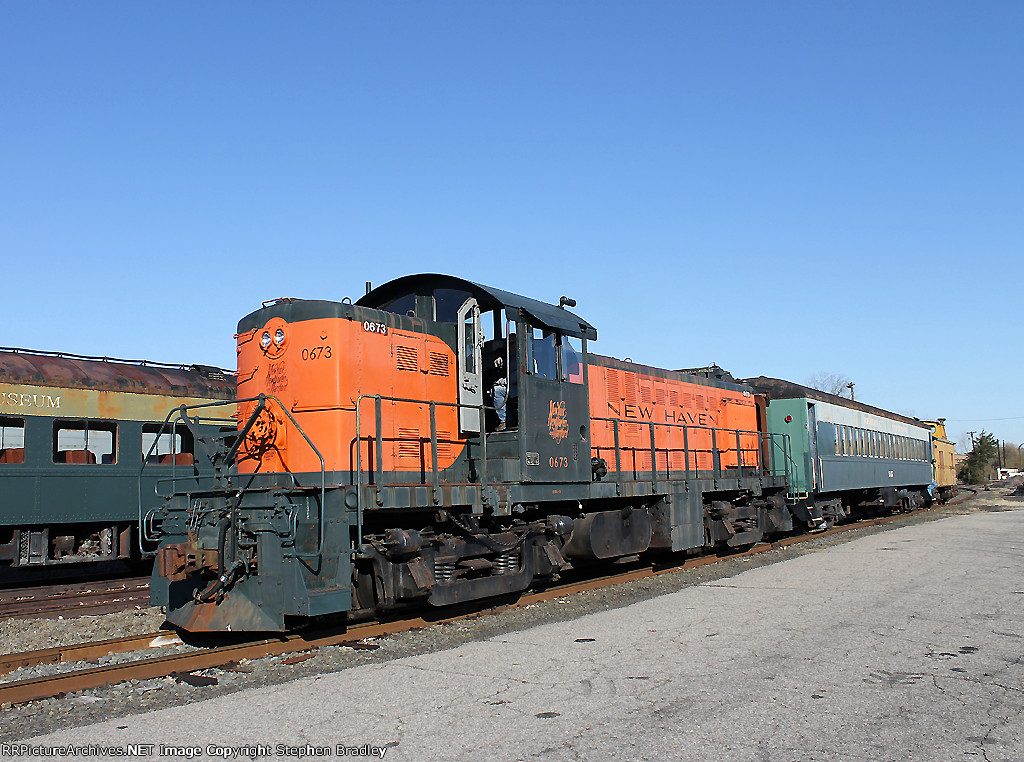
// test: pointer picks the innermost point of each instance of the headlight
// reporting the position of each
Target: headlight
(265, 340)
(279, 336)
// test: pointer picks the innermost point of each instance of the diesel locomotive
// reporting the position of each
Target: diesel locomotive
(440, 441)
(373, 470)
(75, 432)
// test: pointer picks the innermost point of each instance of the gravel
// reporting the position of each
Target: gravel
(19, 635)
(26, 720)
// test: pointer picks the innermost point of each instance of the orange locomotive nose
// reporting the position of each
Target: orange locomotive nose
(317, 369)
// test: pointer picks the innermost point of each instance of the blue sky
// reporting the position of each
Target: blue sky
(782, 188)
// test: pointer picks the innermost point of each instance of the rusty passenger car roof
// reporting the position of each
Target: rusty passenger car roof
(70, 371)
(778, 389)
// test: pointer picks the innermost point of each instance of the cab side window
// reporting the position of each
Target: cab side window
(544, 358)
(572, 363)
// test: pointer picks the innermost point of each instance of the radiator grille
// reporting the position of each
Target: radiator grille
(629, 382)
(407, 358)
(611, 378)
(438, 364)
(444, 445)
(408, 443)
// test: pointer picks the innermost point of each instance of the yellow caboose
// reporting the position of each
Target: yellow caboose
(943, 463)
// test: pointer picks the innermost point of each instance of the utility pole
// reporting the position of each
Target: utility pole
(850, 387)
(971, 435)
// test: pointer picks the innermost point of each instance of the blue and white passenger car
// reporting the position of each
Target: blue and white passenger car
(847, 456)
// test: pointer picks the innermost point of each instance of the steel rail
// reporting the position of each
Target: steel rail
(162, 666)
(74, 600)
(87, 651)
(60, 588)
(91, 605)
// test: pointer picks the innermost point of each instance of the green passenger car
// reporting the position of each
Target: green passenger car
(847, 455)
(74, 432)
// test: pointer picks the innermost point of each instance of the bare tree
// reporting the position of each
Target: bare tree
(1012, 455)
(831, 383)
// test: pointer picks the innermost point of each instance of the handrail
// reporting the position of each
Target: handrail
(143, 534)
(764, 465)
(789, 463)
(715, 451)
(378, 442)
(261, 401)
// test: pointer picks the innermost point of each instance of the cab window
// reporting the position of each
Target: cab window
(447, 302)
(572, 360)
(544, 360)
(405, 305)
(471, 342)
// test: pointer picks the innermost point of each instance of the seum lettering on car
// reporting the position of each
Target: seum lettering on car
(16, 399)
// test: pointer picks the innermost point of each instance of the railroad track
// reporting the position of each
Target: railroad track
(352, 635)
(162, 666)
(78, 599)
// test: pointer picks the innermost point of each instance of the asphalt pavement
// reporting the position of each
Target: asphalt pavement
(902, 645)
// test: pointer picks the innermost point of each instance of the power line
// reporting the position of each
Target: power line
(968, 420)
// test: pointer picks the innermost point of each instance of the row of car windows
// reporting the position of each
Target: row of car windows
(90, 442)
(850, 440)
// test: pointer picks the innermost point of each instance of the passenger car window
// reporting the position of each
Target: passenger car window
(167, 446)
(12, 440)
(84, 442)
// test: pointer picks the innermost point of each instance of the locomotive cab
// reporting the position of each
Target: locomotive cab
(536, 350)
